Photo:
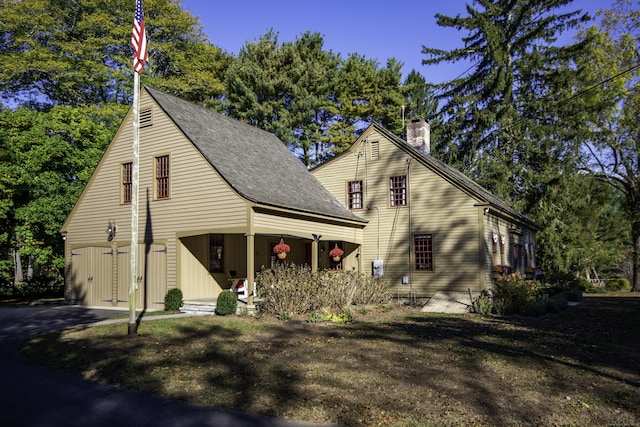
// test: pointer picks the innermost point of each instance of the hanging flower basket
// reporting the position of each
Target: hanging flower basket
(281, 249)
(336, 253)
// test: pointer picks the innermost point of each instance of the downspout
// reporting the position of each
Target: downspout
(410, 225)
(366, 196)
(250, 264)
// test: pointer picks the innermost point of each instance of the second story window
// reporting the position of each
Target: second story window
(355, 195)
(162, 177)
(127, 182)
(398, 190)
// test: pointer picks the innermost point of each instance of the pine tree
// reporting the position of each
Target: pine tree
(489, 121)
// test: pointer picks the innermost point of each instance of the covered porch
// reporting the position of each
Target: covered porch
(212, 262)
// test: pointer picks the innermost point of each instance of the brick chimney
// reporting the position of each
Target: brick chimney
(419, 135)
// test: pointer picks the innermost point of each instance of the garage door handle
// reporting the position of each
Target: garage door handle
(90, 279)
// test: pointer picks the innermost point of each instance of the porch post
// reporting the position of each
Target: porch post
(314, 255)
(251, 274)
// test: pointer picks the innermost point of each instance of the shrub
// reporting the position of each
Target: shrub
(536, 307)
(36, 287)
(284, 315)
(484, 303)
(557, 302)
(315, 317)
(574, 294)
(227, 303)
(619, 284)
(372, 290)
(293, 289)
(500, 306)
(514, 292)
(173, 300)
(287, 288)
(564, 280)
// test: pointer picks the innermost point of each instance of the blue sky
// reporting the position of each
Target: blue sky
(378, 30)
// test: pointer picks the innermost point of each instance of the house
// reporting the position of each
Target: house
(216, 196)
(430, 228)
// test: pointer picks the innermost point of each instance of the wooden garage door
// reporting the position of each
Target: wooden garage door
(152, 276)
(92, 275)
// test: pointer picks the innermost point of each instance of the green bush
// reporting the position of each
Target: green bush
(36, 287)
(536, 307)
(574, 294)
(557, 302)
(227, 303)
(619, 284)
(484, 303)
(173, 300)
(514, 292)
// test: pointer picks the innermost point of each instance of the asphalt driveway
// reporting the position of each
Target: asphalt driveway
(32, 395)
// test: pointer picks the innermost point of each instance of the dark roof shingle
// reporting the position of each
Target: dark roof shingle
(252, 161)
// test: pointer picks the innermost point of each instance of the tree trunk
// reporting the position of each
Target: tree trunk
(635, 233)
(17, 278)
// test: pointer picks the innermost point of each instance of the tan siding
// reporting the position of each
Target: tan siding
(200, 199)
(272, 224)
(195, 279)
(435, 207)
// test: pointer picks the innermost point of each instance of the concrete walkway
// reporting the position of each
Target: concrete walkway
(449, 302)
(35, 396)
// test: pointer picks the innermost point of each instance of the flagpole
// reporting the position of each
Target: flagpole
(140, 55)
(133, 284)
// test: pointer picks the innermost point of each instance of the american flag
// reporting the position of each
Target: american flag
(139, 40)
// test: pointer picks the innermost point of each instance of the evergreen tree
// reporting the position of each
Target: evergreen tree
(508, 123)
(486, 113)
(420, 102)
(313, 100)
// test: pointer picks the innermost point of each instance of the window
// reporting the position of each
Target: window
(423, 248)
(398, 187)
(127, 182)
(162, 177)
(355, 195)
(216, 259)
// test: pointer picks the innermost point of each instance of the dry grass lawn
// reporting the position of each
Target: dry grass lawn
(395, 367)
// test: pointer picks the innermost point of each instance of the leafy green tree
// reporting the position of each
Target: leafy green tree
(45, 162)
(78, 52)
(69, 64)
(609, 92)
(585, 226)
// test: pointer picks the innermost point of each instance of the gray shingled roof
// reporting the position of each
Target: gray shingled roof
(252, 161)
